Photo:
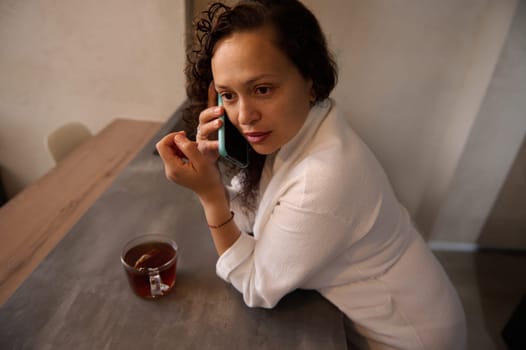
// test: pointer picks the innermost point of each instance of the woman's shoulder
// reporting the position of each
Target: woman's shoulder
(336, 170)
(337, 152)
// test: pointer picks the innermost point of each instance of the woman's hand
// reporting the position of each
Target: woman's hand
(209, 124)
(193, 164)
(185, 165)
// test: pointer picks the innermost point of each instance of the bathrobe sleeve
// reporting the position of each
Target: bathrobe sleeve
(294, 246)
(309, 227)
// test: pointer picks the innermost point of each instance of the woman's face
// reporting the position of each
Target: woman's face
(263, 93)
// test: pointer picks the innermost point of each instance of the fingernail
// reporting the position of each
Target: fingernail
(217, 109)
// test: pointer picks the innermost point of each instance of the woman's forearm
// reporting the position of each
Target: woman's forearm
(223, 229)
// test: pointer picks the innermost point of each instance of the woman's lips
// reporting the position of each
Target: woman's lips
(257, 137)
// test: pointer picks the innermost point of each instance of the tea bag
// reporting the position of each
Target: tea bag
(143, 260)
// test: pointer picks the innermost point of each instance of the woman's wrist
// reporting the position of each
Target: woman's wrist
(216, 206)
(217, 196)
(216, 226)
(219, 219)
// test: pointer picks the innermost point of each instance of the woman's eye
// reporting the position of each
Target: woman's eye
(227, 96)
(263, 90)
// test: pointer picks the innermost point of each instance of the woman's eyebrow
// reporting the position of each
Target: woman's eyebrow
(260, 77)
(251, 81)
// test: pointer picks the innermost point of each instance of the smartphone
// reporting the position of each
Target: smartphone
(232, 145)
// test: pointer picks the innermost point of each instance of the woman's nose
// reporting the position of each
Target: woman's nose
(248, 114)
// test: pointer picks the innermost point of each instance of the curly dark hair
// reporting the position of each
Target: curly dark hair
(298, 35)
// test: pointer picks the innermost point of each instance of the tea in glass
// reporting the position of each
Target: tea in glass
(150, 262)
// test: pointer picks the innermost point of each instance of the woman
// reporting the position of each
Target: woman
(314, 209)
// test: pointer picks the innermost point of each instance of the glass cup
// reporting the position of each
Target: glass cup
(150, 262)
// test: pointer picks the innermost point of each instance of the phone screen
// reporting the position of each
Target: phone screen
(232, 145)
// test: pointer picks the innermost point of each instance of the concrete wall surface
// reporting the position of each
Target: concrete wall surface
(413, 76)
(85, 61)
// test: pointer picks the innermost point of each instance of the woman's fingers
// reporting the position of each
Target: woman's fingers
(197, 172)
(213, 111)
(181, 158)
(168, 150)
(209, 115)
(207, 129)
(209, 121)
(188, 147)
(209, 124)
(209, 148)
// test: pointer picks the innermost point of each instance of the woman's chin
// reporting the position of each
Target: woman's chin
(264, 149)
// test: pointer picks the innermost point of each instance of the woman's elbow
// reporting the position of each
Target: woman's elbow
(260, 298)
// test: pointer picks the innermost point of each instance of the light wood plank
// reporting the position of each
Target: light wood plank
(35, 220)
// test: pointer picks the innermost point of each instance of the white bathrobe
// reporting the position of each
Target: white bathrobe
(328, 220)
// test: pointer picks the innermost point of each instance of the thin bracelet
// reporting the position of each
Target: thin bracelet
(224, 223)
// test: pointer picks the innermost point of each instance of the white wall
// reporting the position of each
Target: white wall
(492, 146)
(413, 75)
(87, 61)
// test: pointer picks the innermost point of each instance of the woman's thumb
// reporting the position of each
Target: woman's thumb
(188, 147)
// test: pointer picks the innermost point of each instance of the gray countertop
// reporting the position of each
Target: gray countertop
(79, 298)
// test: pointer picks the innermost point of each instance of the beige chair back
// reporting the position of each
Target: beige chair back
(64, 139)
